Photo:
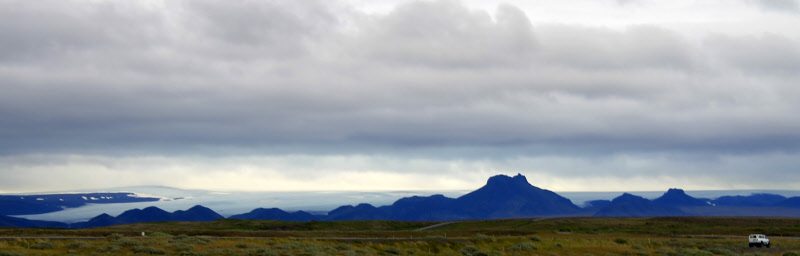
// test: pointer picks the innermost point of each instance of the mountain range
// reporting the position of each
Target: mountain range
(151, 214)
(44, 203)
(628, 205)
(501, 197)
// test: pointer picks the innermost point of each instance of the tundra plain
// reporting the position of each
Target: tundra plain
(548, 236)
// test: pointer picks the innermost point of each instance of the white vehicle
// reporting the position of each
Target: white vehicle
(758, 240)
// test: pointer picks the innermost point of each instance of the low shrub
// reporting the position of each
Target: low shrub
(261, 252)
(472, 251)
(189, 239)
(693, 252)
(342, 247)
(42, 246)
(523, 246)
(392, 251)
(108, 249)
(115, 236)
(726, 252)
(159, 234)
(181, 247)
(148, 250)
(76, 245)
(127, 242)
(483, 237)
(620, 241)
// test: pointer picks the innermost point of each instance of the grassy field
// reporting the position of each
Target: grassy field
(563, 236)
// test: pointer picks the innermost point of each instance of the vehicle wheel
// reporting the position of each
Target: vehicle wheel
(759, 245)
(767, 245)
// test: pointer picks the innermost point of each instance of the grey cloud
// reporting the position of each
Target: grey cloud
(260, 29)
(447, 34)
(778, 5)
(291, 77)
(59, 29)
(597, 48)
(769, 53)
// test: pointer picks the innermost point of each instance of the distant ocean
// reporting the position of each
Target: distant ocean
(229, 203)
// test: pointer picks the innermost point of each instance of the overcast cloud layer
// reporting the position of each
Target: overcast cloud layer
(372, 95)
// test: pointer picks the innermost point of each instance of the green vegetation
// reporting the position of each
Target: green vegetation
(564, 236)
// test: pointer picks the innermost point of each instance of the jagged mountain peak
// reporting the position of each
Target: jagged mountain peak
(676, 191)
(505, 180)
(506, 196)
(678, 198)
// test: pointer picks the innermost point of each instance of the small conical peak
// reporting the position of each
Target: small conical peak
(198, 208)
(102, 216)
(627, 197)
(365, 206)
(152, 208)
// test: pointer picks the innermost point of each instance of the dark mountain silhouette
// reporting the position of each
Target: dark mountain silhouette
(505, 197)
(501, 197)
(101, 220)
(753, 200)
(628, 205)
(358, 212)
(676, 197)
(44, 203)
(435, 207)
(276, 214)
(151, 214)
(6, 221)
(197, 213)
(792, 202)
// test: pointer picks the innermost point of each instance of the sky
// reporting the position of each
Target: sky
(365, 95)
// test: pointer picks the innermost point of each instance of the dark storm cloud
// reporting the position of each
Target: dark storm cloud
(318, 76)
